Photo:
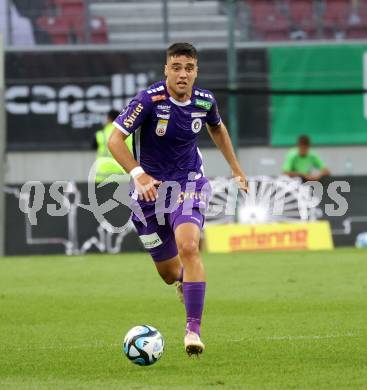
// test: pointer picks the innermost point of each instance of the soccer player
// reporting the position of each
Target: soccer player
(166, 120)
(300, 162)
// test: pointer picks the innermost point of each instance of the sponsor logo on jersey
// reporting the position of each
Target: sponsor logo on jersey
(155, 90)
(192, 195)
(150, 240)
(202, 94)
(161, 127)
(198, 114)
(163, 116)
(203, 104)
(157, 98)
(196, 125)
(164, 107)
(129, 121)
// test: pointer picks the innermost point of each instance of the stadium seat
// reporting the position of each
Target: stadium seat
(335, 18)
(269, 22)
(302, 17)
(357, 23)
(99, 31)
(69, 26)
(70, 7)
(57, 29)
(300, 11)
(73, 14)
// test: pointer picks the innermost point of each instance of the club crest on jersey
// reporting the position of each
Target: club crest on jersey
(196, 125)
(161, 127)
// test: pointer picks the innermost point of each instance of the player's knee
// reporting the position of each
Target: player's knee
(189, 249)
(168, 277)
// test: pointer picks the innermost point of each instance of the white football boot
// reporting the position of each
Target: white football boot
(193, 344)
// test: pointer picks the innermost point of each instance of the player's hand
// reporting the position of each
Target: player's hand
(241, 178)
(308, 177)
(145, 186)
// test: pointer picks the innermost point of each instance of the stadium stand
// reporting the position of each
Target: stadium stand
(201, 22)
(269, 22)
(142, 22)
(66, 22)
(357, 22)
(301, 19)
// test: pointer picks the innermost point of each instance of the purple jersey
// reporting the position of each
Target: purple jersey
(165, 131)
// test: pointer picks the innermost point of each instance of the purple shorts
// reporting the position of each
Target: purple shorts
(186, 206)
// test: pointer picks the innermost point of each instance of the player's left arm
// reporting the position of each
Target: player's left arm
(219, 135)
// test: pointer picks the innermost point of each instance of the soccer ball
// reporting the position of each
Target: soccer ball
(143, 345)
(361, 241)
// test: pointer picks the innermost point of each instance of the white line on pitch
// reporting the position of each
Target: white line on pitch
(59, 346)
(301, 337)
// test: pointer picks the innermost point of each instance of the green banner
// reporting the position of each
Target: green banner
(326, 118)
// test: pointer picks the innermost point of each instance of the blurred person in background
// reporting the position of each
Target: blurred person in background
(302, 162)
(32, 10)
(20, 31)
(106, 165)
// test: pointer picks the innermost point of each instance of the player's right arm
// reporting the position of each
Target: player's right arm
(126, 123)
(144, 183)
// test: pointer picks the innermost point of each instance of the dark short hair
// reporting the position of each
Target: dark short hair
(112, 114)
(182, 49)
(304, 140)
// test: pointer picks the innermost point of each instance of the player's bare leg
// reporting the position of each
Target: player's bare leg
(171, 271)
(187, 239)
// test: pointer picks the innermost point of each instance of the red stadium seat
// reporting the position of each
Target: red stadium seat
(302, 16)
(336, 11)
(335, 17)
(357, 23)
(57, 29)
(70, 7)
(69, 26)
(300, 11)
(99, 31)
(269, 23)
(73, 13)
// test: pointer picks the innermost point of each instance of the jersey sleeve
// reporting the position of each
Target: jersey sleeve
(134, 114)
(288, 162)
(213, 117)
(317, 162)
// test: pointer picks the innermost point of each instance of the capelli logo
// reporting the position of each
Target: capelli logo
(72, 104)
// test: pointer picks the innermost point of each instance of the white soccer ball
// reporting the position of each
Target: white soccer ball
(143, 345)
(361, 240)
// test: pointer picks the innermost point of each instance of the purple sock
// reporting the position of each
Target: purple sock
(180, 278)
(194, 293)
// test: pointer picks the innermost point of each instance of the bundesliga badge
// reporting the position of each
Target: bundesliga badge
(196, 125)
(161, 127)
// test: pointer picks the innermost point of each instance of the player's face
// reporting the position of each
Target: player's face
(181, 72)
(303, 150)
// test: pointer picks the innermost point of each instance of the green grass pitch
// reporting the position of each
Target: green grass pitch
(287, 320)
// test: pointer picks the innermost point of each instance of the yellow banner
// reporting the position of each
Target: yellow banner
(272, 236)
